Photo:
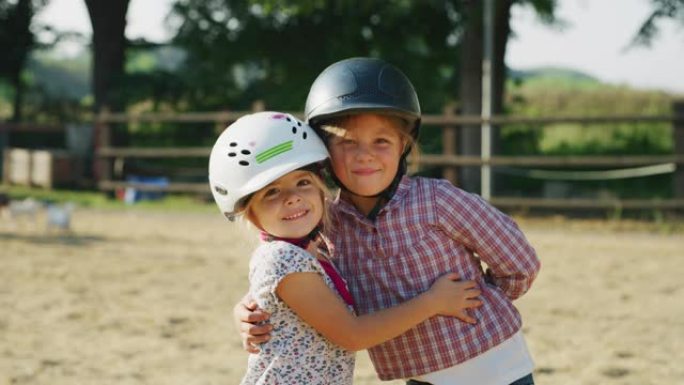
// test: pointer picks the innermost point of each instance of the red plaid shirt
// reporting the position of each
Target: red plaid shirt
(427, 229)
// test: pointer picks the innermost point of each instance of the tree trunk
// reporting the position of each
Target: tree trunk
(108, 19)
(471, 81)
(18, 85)
(16, 58)
(471, 91)
(502, 31)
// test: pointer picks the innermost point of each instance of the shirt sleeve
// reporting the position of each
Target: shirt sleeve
(271, 263)
(493, 236)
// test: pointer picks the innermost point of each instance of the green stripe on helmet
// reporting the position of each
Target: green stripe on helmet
(274, 151)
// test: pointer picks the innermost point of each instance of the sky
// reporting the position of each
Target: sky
(599, 45)
(594, 39)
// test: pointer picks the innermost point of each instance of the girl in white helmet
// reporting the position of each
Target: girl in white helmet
(263, 168)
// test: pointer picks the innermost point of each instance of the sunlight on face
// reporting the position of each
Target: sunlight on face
(290, 207)
(366, 152)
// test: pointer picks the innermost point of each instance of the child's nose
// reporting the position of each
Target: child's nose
(292, 197)
(364, 151)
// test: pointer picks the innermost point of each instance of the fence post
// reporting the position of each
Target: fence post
(102, 166)
(449, 145)
(258, 106)
(4, 147)
(678, 133)
(220, 125)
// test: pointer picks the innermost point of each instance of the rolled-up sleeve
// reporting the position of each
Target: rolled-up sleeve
(490, 234)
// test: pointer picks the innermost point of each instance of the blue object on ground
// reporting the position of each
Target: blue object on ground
(133, 194)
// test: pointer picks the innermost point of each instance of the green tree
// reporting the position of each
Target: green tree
(272, 50)
(16, 42)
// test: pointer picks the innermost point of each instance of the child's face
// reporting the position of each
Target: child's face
(365, 157)
(290, 207)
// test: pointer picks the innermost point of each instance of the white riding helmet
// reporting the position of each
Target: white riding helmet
(256, 150)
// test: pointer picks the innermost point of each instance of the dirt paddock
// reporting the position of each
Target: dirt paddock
(139, 297)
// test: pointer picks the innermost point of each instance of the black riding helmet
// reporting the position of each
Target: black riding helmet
(362, 84)
(359, 85)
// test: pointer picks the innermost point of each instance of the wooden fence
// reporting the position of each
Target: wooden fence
(449, 160)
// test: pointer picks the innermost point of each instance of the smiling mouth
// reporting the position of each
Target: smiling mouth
(364, 171)
(296, 215)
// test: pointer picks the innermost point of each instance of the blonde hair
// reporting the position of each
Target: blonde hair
(336, 127)
(245, 212)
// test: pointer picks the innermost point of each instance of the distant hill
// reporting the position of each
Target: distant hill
(550, 72)
(553, 76)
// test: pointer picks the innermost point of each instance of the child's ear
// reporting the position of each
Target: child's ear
(249, 215)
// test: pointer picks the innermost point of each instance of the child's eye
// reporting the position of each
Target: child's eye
(304, 182)
(271, 192)
(345, 142)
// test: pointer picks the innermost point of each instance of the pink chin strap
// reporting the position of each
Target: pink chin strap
(302, 242)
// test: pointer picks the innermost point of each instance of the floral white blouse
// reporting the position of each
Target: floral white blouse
(296, 352)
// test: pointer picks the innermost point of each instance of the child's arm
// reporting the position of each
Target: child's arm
(494, 236)
(317, 304)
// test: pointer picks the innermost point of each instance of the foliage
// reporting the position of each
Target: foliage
(16, 39)
(557, 96)
(661, 9)
(272, 50)
(553, 92)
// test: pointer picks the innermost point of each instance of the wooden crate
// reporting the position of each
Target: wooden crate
(17, 166)
(53, 168)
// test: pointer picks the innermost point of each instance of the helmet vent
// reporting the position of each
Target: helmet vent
(231, 154)
(294, 129)
(245, 152)
(233, 144)
(220, 190)
(304, 135)
(243, 163)
(365, 93)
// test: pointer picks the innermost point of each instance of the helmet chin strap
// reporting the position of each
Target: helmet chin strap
(386, 194)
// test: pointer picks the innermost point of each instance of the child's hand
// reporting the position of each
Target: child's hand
(252, 324)
(451, 297)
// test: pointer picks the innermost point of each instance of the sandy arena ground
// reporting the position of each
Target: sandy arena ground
(140, 297)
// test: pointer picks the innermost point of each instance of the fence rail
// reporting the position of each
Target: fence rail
(448, 123)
